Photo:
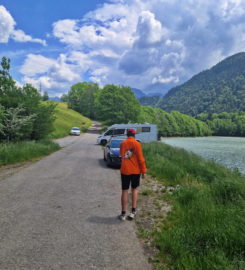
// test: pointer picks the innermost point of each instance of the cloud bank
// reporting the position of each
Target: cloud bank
(8, 30)
(148, 44)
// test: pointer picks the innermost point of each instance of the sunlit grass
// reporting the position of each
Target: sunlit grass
(23, 151)
(66, 119)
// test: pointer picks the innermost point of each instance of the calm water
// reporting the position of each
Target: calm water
(228, 151)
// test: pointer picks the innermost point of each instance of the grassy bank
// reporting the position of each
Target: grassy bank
(23, 151)
(206, 228)
(66, 119)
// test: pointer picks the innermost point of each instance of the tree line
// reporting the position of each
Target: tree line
(117, 104)
(225, 124)
(23, 115)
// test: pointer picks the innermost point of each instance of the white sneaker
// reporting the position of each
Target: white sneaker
(131, 216)
(122, 217)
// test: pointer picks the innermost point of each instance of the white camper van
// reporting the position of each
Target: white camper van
(144, 132)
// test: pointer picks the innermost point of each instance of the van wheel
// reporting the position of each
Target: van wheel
(103, 142)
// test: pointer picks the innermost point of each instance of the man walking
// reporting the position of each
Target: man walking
(132, 166)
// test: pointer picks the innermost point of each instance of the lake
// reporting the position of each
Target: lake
(228, 151)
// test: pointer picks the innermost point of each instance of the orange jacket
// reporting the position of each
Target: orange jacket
(133, 161)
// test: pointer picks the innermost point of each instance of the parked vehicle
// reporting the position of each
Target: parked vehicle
(75, 131)
(144, 132)
(112, 152)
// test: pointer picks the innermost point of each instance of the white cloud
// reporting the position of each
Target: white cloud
(149, 30)
(66, 31)
(8, 31)
(148, 44)
(50, 73)
(7, 24)
(160, 79)
(20, 36)
(36, 64)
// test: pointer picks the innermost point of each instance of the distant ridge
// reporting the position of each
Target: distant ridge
(216, 90)
(55, 99)
(138, 93)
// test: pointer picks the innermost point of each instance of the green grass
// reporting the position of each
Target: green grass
(147, 192)
(66, 119)
(206, 229)
(23, 151)
(29, 150)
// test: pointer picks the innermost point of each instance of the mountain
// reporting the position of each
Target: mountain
(55, 99)
(219, 89)
(138, 93)
(152, 101)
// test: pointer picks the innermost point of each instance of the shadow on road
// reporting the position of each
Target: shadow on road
(93, 131)
(102, 163)
(95, 128)
(104, 220)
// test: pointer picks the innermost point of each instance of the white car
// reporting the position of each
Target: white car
(75, 131)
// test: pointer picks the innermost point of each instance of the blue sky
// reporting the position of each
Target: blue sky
(152, 45)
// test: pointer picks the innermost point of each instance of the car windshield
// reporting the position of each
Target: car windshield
(115, 143)
(75, 128)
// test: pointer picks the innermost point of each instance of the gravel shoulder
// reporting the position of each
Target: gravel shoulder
(60, 213)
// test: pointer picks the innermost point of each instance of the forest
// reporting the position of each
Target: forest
(219, 89)
(117, 104)
(225, 124)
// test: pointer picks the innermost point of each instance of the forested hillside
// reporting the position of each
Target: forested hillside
(117, 104)
(225, 124)
(150, 101)
(219, 89)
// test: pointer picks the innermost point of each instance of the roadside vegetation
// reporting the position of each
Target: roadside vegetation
(13, 152)
(28, 120)
(206, 227)
(65, 119)
(174, 123)
(117, 104)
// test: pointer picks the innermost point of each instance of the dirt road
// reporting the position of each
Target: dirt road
(60, 213)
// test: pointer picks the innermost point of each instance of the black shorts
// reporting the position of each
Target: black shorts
(134, 179)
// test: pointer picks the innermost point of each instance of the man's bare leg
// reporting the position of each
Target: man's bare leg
(124, 200)
(134, 197)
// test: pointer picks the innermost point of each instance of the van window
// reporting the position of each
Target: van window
(109, 132)
(120, 131)
(138, 130)
(146, 129)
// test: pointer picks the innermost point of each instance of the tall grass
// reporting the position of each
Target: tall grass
(66, 119)
(206, 229)
(23, 151)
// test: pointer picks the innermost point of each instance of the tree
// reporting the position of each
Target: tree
(81, 98)
(43, 124)
(15, 125)
(22, 112)
(1, 117)
(45, 96)
(116, 104)
(64, 98)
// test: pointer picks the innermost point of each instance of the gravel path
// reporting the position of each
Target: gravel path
(60, 213)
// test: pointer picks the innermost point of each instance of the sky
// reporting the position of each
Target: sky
(152, 45)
